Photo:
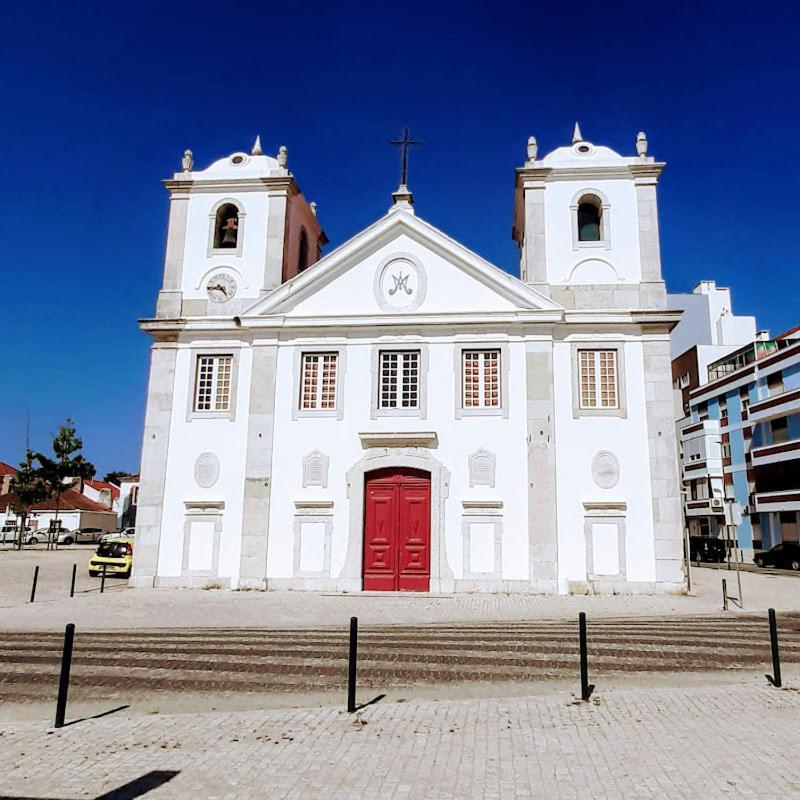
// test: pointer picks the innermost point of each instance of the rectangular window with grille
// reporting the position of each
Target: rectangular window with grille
(318, 381)
(212, 390)
(481, 378)
(598, 379)
(399, 379)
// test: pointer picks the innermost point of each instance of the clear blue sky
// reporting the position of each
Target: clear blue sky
(100, 101)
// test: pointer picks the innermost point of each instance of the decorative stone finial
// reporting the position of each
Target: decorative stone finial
(313, 206)
(283, 157)
(256, 151)
(577, 136)
(641, 144)
(187, 162)
(533, 148)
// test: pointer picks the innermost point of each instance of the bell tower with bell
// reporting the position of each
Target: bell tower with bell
(237, 230)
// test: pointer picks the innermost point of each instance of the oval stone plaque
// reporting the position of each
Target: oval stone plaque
(605, 470)
(206, 470)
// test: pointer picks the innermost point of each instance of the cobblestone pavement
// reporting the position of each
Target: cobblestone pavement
(135, 666)
(736, 741)
(121, 608)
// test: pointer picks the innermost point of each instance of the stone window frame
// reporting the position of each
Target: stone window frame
(605, 220)
(458, 368)
(297, 376)
(196, 353)
(202, 512)
(608, 517)
(488, 516)
(212, 216)
(622, 407)
(422, 411)
(312, 514)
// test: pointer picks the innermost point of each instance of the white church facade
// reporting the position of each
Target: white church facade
(400, 414)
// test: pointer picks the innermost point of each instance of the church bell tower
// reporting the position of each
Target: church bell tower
(237, 230)
(586, 222)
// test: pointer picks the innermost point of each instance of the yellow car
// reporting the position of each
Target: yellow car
(115, 554)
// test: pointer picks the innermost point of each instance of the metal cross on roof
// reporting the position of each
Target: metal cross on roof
(404, 144)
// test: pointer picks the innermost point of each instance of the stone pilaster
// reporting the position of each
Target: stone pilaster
(169, 298)
(542, 523)
(534, 270)
(663, 450)
(654, 293)
(155, 449)
(276, 235)
(258, 468)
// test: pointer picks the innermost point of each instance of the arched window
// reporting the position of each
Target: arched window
(302, 251)
(590, 213)
(226, 227)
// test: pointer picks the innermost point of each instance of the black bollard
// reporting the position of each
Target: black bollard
(724, 595)
(586, 688)
(351, 669)
(775, 678)
(103, 580)
(63, 683)
(72, 584)
(35, 579)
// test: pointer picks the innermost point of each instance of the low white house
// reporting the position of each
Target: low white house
(402, 415)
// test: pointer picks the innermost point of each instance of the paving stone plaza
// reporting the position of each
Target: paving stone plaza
(654, 743)
(242, 694)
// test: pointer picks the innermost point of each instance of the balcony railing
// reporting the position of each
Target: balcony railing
(773, 453)
(788, 500)
(779, 405)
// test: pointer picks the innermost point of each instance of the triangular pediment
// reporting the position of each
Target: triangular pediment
(401, 265)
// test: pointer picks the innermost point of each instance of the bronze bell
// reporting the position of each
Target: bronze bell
(229, 233)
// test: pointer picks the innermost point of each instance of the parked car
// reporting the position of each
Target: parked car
(43, 535)
(82, 535)
(129, 532)
(706, 548)
(116, 555)
(785, 555)
(8, 533)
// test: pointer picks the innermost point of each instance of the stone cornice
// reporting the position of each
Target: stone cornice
(270, 183)
(533, 177)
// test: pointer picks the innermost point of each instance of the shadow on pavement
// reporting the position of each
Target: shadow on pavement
(129, 791)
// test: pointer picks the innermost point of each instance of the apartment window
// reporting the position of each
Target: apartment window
(775, 384)
(212, 390)
(318, 381)
(780, 430)
(399, 379)
(481, 378)
(726, 451)
(598, 379)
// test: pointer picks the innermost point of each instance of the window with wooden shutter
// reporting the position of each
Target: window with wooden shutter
(481, 378)
(318, 381)
(598, 379)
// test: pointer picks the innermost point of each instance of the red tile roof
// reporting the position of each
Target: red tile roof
(100, 485)
(7, 469)
(70, 501)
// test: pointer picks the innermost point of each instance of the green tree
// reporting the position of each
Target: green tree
(67, 465)
(28, 488)
(115, 476)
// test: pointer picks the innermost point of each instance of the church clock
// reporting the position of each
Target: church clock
(221, 287)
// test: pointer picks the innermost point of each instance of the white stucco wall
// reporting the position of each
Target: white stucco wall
(579, 440)
(592, 263)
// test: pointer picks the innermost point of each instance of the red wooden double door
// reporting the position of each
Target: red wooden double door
(397, 531)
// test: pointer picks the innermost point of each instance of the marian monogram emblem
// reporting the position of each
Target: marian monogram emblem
(400, 282)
